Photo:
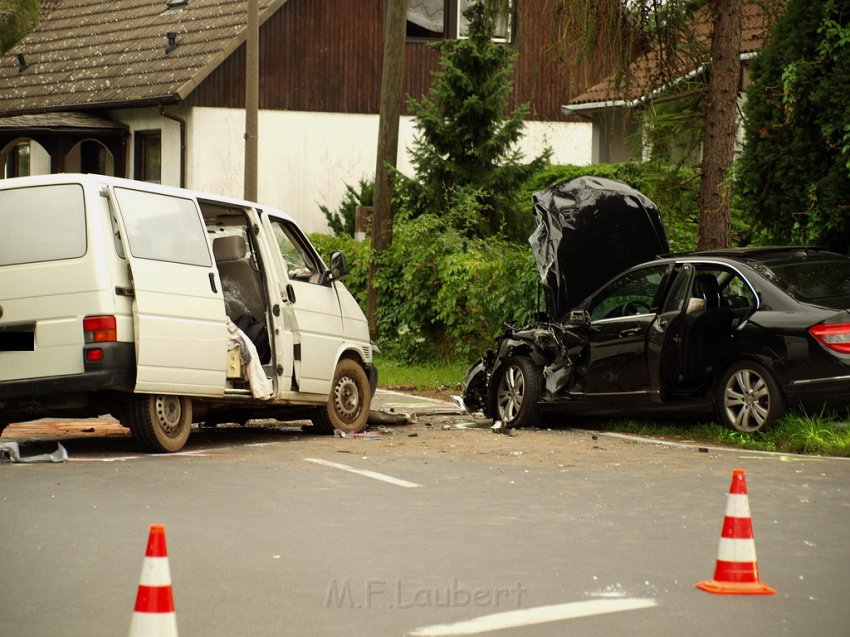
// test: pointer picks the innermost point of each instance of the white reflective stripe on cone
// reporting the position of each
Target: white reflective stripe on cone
(737, 505)
(153, 625)
(155, 572)
(732, 550)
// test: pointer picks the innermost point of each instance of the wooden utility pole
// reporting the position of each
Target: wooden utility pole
(392, 75)
(252, 100)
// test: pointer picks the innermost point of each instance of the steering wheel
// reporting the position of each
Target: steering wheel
(635, 307)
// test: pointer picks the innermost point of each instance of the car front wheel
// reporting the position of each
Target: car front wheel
(517, 393)
(348, 405)
(748, 398)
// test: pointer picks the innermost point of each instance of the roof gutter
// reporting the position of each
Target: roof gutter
(568, 109)
(182, 123)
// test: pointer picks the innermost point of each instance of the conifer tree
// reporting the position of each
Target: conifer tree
(465, 157)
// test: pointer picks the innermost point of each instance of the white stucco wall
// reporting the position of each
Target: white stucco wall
(305, 159)
(149, 119)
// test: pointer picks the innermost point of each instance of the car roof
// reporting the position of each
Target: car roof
(754, 253)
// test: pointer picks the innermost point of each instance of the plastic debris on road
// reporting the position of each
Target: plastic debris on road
(11, 454)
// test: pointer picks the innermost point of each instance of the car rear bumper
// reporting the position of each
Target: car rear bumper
(116, 371)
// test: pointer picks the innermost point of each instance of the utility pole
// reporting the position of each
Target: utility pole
(252, 100)
(392, 74)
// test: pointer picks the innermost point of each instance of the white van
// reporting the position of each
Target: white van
(165, 307)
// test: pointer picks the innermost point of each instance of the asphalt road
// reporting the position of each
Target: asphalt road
(268, 535)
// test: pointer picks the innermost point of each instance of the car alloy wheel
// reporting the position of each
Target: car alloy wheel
(749, 399)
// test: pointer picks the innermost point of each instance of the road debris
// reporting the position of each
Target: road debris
(11, 454)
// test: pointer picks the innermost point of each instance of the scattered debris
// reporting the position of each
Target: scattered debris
(391, 417)
(10, 453)
(368, 435)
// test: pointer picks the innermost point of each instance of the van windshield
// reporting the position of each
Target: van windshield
(42, 223)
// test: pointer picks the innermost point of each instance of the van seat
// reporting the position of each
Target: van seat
(240, 282)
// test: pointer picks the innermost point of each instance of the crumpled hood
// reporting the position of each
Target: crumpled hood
(588, 230)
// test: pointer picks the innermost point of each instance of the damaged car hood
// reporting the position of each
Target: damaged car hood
(588, 230)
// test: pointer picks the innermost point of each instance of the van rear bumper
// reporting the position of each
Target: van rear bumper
(117, 371)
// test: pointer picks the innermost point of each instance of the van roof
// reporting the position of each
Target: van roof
(94, 180)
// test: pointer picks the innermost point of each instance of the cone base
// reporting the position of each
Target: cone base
(735, 588)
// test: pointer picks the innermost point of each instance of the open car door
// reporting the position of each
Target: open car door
(178, 308)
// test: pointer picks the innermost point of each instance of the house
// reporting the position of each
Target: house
(616, 108)
(154, 90)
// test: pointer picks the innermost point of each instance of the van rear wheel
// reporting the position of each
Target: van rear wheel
(348, 405)
(160, 423)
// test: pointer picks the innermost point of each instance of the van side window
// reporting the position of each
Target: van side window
(300, 264)
(42, 223)
(163, 227)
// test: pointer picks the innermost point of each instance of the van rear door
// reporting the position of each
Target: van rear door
(178, 311)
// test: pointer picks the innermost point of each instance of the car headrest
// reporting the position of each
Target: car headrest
(231, 248)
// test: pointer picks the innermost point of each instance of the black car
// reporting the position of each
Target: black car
(747, 331)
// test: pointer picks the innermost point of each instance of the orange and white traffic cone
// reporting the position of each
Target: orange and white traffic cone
(737, 571)
(154, 614)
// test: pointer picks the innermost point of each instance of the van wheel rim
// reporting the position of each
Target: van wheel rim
(168, 414)
(346, 398)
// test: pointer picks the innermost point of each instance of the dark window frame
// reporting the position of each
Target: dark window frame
(141, 147)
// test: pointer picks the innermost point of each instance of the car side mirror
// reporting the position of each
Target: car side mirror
(578, 318)
(339, 268)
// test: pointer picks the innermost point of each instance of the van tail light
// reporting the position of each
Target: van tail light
(100, 329)
(835, 336)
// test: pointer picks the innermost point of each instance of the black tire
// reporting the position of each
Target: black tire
(516, 393)
(348, 405)
(748, 398)
(159, 423)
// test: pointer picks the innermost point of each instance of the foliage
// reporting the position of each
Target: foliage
(795, 170)
(465, 155)
(341, 220)
(17, 18)
(442, 295)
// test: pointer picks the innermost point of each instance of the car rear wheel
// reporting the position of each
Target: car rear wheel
(159, 423)
(517, 393)
(348, 405)
(748, 398)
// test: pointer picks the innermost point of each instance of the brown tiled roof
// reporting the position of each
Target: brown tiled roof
(99, 53)
(646, 75)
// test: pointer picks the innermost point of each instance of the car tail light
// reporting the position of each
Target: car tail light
(99, 329)
(835, 336)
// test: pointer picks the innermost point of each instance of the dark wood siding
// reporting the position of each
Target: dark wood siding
(325, 55)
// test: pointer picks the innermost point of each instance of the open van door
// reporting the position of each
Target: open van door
(178, 309)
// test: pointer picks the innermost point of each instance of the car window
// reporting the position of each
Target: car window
(629, 295)
(736, 294)
(300, 264)
(814, 279)
(163, 227)
(42, 223)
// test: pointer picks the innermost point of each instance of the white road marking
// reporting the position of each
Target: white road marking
(531, 616)
(365, 472)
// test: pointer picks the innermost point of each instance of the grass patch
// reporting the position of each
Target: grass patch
(824, 433)
(433, 378)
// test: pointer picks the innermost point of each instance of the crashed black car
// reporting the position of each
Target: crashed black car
(747, 332)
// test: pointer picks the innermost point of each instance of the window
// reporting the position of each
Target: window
(439, 19)
(300, 263)
(148, 156)
(18, 161)
(43, 223)
(163, 228)
(630, 295)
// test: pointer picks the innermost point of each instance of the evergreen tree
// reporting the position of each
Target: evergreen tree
(465, 157)
(795, 170)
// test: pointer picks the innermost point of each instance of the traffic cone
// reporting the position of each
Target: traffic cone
(737, 572)
(154, 614)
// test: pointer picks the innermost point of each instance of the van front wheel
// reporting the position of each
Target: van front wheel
(160, 423)
(348, 405)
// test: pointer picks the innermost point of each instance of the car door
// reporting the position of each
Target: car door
(665, 337)
(621, 313)
(178, 308)
(313, 308)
